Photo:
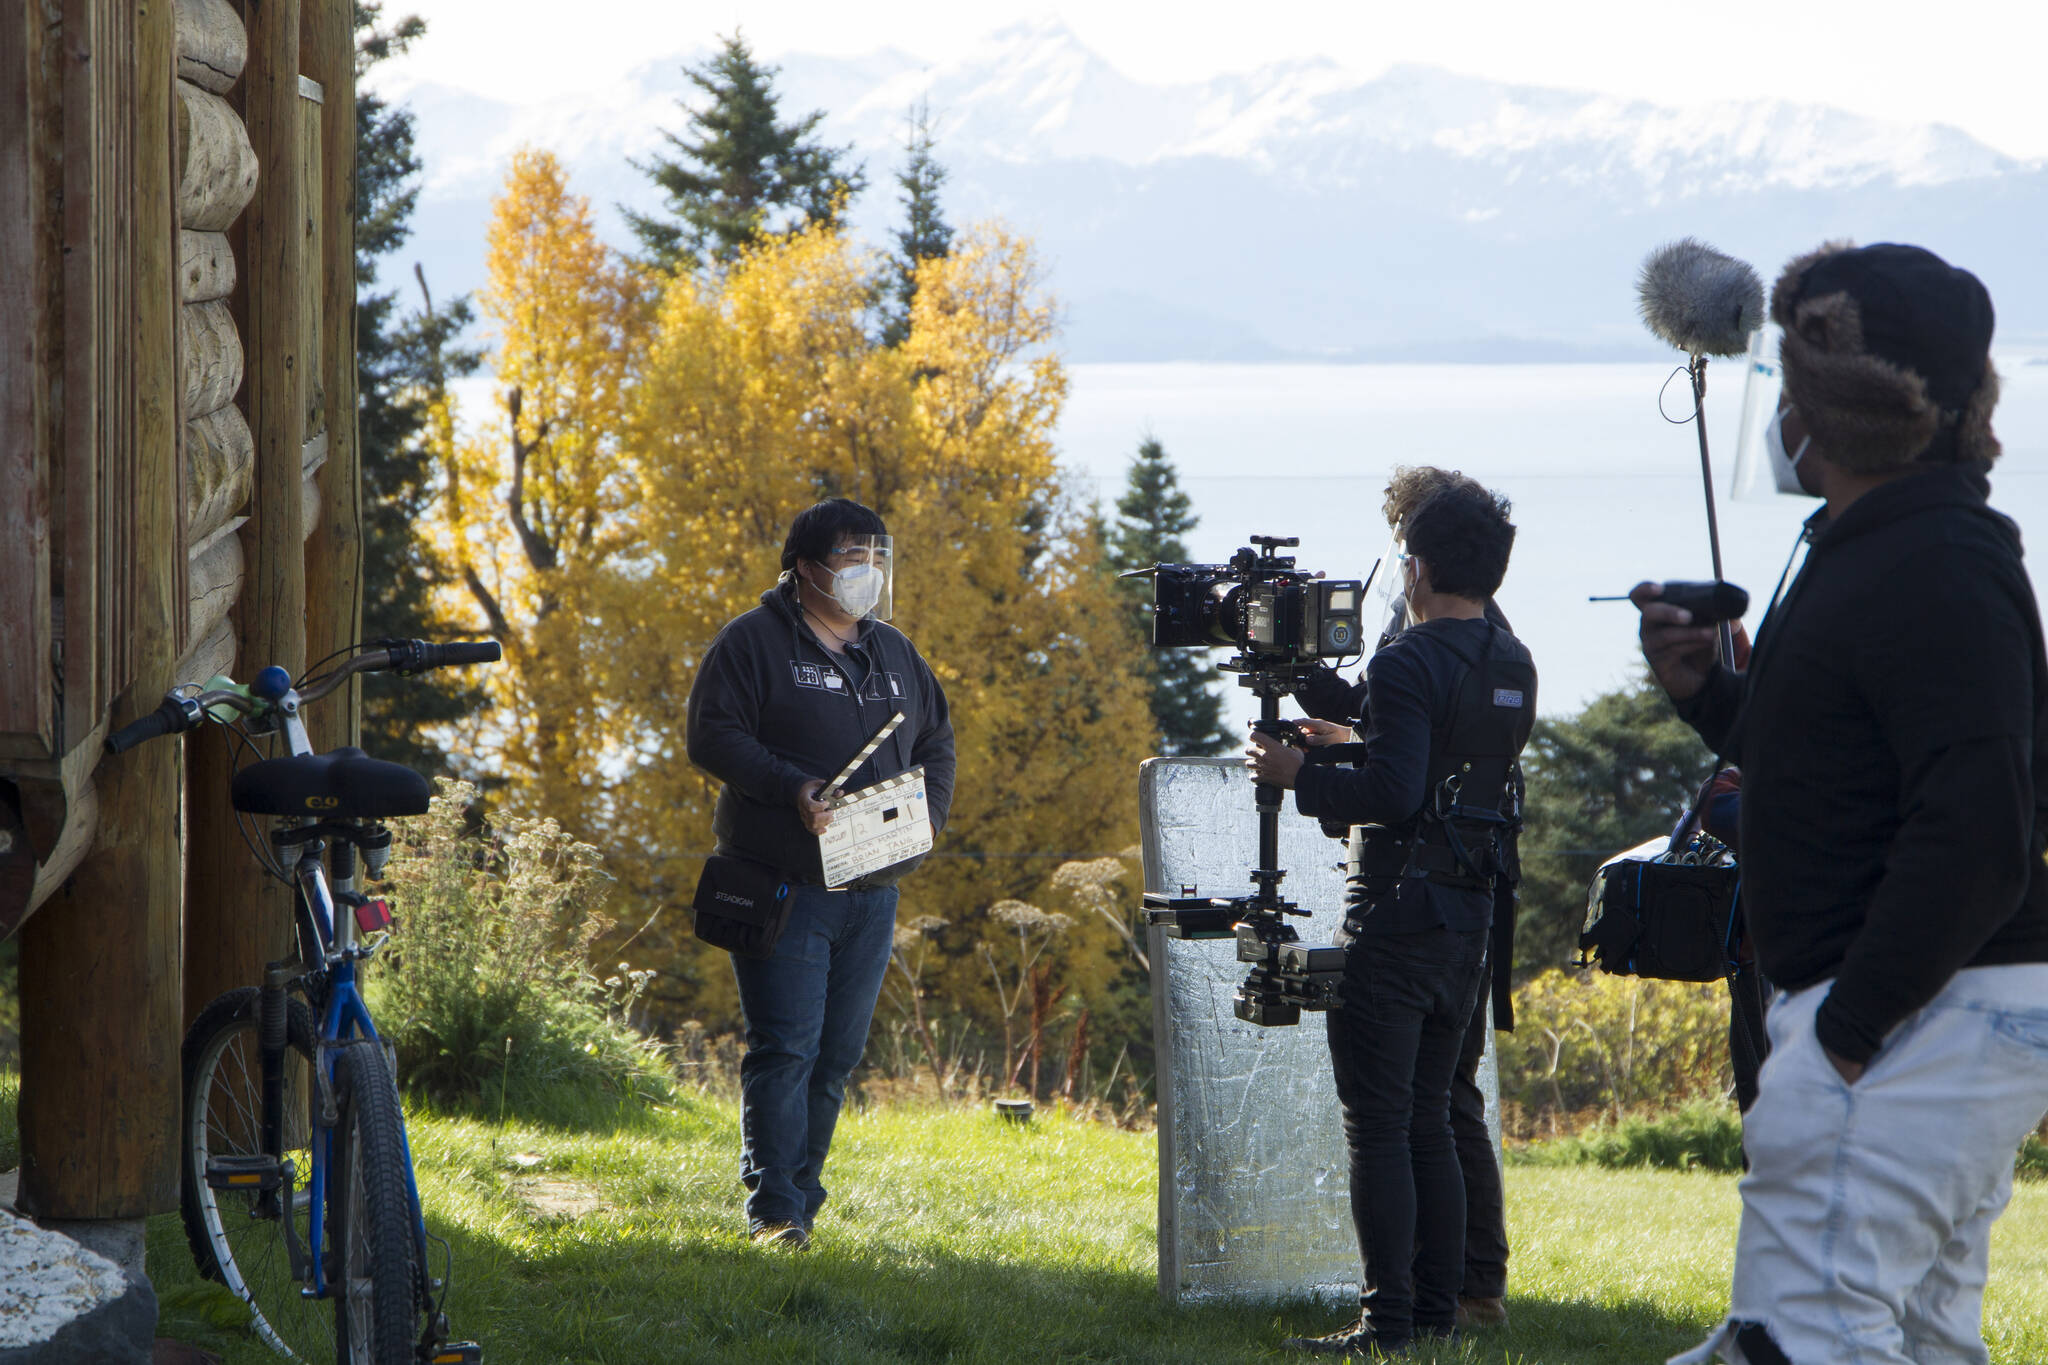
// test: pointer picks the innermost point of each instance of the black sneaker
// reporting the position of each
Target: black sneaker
(782, 1236)
(1357, 1340)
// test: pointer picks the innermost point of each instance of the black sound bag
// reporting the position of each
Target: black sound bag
(741, 906)
(1669, 921)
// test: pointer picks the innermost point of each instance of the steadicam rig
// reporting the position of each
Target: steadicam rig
(1285, 624)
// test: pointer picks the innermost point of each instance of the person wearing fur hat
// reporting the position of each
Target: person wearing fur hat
(1892, 730)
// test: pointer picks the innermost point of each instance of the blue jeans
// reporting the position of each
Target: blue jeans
(807, 1010)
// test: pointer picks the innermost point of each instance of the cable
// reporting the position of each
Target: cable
(1665, 388)
(242, 822)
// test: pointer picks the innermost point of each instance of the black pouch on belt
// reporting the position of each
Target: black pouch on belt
(741, 906)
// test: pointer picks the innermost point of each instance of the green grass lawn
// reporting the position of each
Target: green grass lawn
(953, 1237)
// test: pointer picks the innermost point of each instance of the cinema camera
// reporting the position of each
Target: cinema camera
(1285, 624)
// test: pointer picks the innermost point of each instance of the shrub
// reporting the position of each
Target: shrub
(1585, 1040)
(2033, 1160)
(1702, 1135)
(485, 991)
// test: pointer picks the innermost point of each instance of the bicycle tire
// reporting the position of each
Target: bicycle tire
(223, 1101)
(378, 1307)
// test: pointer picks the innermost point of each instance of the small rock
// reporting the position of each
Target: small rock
(61, 1304)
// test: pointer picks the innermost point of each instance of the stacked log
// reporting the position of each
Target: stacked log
(218, 174)
(206, 267)
(212, 44)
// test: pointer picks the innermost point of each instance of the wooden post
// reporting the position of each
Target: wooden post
(334, 555)
(81, 523)
(27, 689)
(100, 966)
(236, 918)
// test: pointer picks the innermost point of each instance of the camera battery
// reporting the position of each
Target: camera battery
(1311, 957)
(1333, 614)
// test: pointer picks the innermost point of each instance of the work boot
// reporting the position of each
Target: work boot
(1475, 1312)
(784, 1236)
(1358, 1340)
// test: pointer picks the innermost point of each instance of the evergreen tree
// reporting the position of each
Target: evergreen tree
(742, 173)
(925, 233)
(403, 362)
(1152, 516)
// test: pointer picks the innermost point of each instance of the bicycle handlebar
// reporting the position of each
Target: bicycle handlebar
(426, 656)
(175, 716)
(181, 712)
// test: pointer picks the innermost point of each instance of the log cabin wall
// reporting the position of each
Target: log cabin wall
(177, 468)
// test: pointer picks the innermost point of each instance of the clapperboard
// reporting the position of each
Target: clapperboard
(878, 826)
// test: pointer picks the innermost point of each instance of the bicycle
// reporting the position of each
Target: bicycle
(297, 1185)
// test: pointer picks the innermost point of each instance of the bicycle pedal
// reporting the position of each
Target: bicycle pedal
(456, 1353)
(245, 1173)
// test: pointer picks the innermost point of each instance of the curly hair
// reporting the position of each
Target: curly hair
(1411, 485)
(1463, 534)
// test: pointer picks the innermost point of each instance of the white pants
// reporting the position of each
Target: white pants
(1867, 1211)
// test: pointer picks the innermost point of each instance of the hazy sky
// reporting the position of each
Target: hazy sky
(1971, 63)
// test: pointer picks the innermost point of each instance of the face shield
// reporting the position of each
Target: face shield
(1386, 597)
(1762, 394)
(863, 575)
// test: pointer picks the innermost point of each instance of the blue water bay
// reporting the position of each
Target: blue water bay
(1606, 491)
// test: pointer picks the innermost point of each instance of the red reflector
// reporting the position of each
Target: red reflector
(372, 916)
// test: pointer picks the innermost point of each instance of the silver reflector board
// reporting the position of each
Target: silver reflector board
(1254, 1191)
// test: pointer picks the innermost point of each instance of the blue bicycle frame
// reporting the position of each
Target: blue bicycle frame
(344, 1018)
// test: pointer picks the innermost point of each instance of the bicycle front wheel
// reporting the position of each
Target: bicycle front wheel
(380, 1305)
(240, 1238)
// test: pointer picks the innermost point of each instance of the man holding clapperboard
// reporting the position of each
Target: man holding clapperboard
(833, 741)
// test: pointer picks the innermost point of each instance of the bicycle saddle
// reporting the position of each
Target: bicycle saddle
(342, 782)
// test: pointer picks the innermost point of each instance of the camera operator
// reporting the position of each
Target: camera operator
(1453, 701)
(1339, 707)
(1892, 730)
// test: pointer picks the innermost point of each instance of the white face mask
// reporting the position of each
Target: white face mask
(1784, 467)
(857, 589)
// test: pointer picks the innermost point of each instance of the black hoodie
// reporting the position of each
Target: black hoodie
(772, 709)
(1892, 730)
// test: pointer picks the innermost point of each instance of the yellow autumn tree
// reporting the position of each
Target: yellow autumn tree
(764, 390)
(536, 506)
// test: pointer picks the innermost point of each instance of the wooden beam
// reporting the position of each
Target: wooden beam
(236, 918)
(101, 965)
(334, 555)
(82, 520)
(27, 687)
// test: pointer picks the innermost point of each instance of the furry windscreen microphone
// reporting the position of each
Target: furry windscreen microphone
(1699, 300)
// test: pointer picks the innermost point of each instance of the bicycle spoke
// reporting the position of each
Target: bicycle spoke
(231, 1242)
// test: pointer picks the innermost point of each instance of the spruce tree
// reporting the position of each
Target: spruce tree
(740, 172)
(1152, 516)
(925, 234)
(403, 361)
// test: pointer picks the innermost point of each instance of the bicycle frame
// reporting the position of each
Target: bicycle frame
(332, 989)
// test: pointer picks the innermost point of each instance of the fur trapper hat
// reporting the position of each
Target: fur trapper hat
(1887, 356)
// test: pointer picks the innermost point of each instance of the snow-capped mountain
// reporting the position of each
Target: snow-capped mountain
(1302, 210)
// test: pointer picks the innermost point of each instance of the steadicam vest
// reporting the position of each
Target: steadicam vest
(1471, 801)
